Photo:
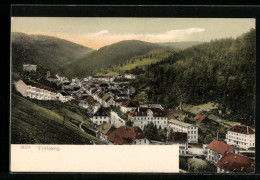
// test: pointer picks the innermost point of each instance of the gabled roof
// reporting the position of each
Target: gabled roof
(128, 103)
(220, 147)
(105, 128)
(242, 129)
(125, 135)
(102, 112)
(236, 163)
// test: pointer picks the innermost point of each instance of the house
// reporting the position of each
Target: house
(216, 149)
(142, 116)
(29, 67)
(241, 136)
(127, 106)
(125, 135)
(190, 129)
(66, 85)
(103, 131)
(235, 163)
(101, 116)
(64, 96)
(35, 90)
(107, 100)
(180, 138)
(52, 78)
(129, 76)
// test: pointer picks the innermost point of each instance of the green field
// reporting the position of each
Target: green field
(35, 124)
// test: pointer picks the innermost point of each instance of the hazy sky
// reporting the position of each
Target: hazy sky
(98, 32)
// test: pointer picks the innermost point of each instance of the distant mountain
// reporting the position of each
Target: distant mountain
(180, 45)
(45, 51)
(108, 56)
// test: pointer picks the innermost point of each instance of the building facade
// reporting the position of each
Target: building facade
(190, 129)
(29, 67)
(35, 90)
(241, 136)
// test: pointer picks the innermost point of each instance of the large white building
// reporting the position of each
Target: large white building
(35, 90)
(142, 116)
(29, 67)
(190, 129)
(241, 136)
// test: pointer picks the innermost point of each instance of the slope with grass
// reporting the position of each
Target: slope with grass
(34, 124)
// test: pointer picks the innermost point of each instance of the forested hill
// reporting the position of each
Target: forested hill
(180, 45)
(220, 71)
(45, 51)
(108, 56)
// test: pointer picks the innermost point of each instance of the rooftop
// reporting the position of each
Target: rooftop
(105, 128)
(236, 163)
(173, 121)
(125, 135)
(220, 147)
(242, 129)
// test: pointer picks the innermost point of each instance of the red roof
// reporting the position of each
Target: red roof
(201, 118)
(236, 163)
(220, 147)
(125, 135)
(242, 129)
(38, 85)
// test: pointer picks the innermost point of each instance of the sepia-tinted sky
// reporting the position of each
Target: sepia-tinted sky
(98, 32)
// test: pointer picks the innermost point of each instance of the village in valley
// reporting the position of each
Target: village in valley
(117, 118)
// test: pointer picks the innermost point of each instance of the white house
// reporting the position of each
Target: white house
(216, 149)
(29, 67)
(101, 116)
(241, 136)
(35, 90)
(125, 135)
(129, 76)
(142, 116)
(190, 129)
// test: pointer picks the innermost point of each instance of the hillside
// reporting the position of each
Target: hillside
(45, 51)
(108, 56)
(35, 124)
(137, 64)
(180, 45)
(221, 71)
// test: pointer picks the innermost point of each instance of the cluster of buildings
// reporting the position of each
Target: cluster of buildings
(227, 156)
(111, 105)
